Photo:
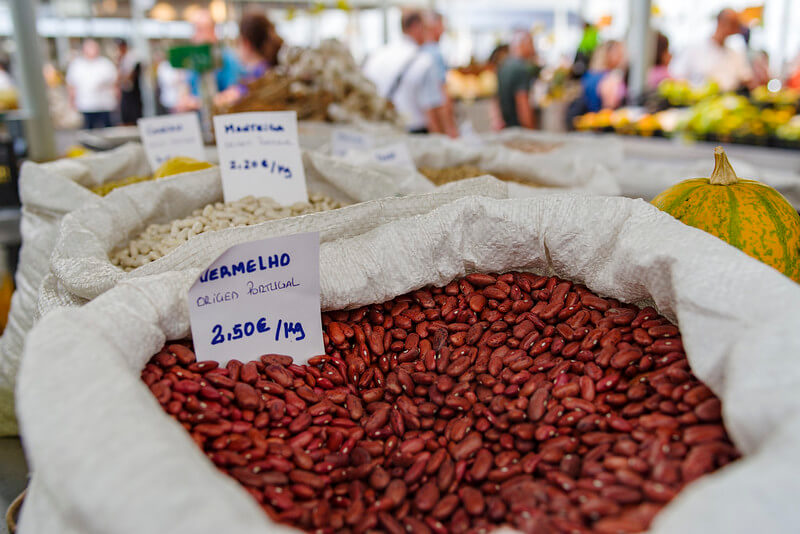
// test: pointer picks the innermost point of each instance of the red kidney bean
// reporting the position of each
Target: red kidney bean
(498, 399)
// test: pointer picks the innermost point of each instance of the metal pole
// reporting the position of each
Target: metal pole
(385, 14)
(640, 47)
(141, 46)
(38, 125)
(779, 62)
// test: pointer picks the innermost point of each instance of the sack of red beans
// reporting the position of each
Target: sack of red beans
(554, 364)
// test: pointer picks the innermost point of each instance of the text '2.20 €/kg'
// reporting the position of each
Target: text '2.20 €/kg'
(272, 166)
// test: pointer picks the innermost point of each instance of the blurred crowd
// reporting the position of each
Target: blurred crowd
(109, 92)
(411, 72)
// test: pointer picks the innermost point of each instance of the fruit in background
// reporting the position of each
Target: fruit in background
(749, 215)
(105, 188)
(782, 97)
(682, 93)
(180, 165)
(647, 125)
(8, 99)
(77, 151)
(790, 131)
(471, 85)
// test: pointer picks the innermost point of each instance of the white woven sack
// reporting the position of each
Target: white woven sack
(82, 270)
(607, 149)
(315, 134)
(576, 166)
(48, 191)
(109, 459)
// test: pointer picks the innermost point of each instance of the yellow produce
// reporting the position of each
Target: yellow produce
(77, 151)
(106, 188)
(749, 215)
(180, 165)
(169, 168)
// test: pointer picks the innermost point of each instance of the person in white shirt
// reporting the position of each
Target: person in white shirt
(170, 83)
(407, 76)
(712, 61)
(92, 83)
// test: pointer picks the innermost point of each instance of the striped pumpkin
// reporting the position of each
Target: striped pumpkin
(747, 214)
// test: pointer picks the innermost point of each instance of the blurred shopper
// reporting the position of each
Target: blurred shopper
(435, 29)
(660, 69)
(793, 77)
(760, 66)
(514, 80)
(171, 82)
(92, 83)
(712, 61)
(498, 56)
(257, 51)
(227, 73)
(6, 82)
(604, 83)
(130, 70)
(407, 76)
(590, 40)
(496, 59)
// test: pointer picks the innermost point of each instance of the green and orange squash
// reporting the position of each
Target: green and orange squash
(749, 215)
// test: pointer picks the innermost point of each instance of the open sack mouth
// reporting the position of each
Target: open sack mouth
(442, 389)
(511, 399)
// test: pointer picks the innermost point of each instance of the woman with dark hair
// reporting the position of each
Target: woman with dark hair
(257, 50)
(660, 69)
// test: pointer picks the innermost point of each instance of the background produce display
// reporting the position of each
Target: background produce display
(497, 399)
(323, 83)
(765, 118)
(471, 82)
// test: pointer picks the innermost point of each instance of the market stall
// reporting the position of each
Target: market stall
(487, 275)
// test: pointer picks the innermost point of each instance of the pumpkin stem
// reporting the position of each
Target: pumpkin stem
(723, 172)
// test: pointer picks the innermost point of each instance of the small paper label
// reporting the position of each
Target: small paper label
(171, 136)
(344, 140)
(257, 298)
(396, 155)
(259, 155)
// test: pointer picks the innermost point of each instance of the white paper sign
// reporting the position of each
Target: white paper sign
(343, 140)
(171, 136)
(260, 297)
(396, 155)
(259, 155)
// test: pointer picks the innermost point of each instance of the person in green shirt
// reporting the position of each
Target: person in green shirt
(514, 79)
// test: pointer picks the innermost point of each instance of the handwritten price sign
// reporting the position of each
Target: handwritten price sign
(171, 136)
(259, 155)
(283, 330)
(259, 298)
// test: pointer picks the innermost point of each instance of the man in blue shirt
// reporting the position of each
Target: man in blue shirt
(228, 72)
(434, 26)
(405, 74)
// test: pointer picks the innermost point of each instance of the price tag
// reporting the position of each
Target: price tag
(171, 136)
(259, 155)
(396, 155)
(343, 140)
(260, 297)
